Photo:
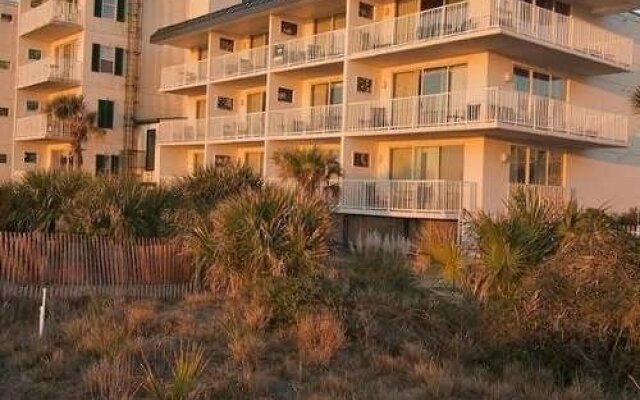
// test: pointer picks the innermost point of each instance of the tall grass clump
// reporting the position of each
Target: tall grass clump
(186, 366)
(382, 260)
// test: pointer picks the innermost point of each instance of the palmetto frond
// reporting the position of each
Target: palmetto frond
(636, 99)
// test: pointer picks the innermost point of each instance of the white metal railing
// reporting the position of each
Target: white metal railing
(545, 115)
(52, 11)
(306, 121)
(310, 49)
(49, 69)
(557, 196)
(182, 130)
(414, 196)
(516, 16)
(246, 62)
(239, 126)
(184, 75)
(42, 126)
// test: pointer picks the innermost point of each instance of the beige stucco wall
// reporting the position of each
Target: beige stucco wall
(8, 32)
(611, 177)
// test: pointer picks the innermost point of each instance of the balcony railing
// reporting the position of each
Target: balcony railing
(411, 197)
(184, 75)
(50, 12)
(242, 63)
(306, 121)
(42, 126)
(555, 196)
(462, 110)
(49, 70)
(233, 127)
(182, 130)
(516, 16)
(308, 50)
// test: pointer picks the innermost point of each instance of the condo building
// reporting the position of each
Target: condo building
(98, 49)
(8, 32)
(431, 106)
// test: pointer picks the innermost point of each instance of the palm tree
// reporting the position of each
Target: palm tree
(71, 111)
(312, 169)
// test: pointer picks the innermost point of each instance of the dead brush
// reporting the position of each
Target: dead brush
(112, 379)
(319, 337)
(245, 343)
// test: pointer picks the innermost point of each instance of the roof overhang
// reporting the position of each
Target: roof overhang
(603, 7)
(191, 32)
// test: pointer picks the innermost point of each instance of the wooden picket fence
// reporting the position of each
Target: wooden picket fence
(76, 266)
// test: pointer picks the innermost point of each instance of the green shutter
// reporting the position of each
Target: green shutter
(95, 58)
(105, 114)
(122, 6)
(119, 69)
(97, 9)
(150, 159)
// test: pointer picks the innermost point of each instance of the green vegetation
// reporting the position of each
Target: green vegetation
(71, 113)
(541, 304)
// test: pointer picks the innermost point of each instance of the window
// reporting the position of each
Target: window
(150, 156)
(34, 54)
(427, 163)
(33, 105)
(539, 83)
(536, 166)
(107, 164)
(105, 114)
(30, 158)
(6, 18)
(4, 111)
(110, 9)
(3, 158)
(106, 59)
(5, 65)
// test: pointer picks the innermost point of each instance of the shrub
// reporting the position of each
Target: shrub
(41, 200)
(268, 233)
(122, 208)
(319, 337)
(508, 246)
(312, 169)
(205, 188)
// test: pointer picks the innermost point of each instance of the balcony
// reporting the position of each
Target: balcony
(50, 75)
(50, 21)
(182, 131)
(241, 64)
(189, 78)
(311, 121)
(489, 109)
(237, 127)
(555, 196)
(414, 199)
(556, 38)
(311, 50)
(42, 127)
